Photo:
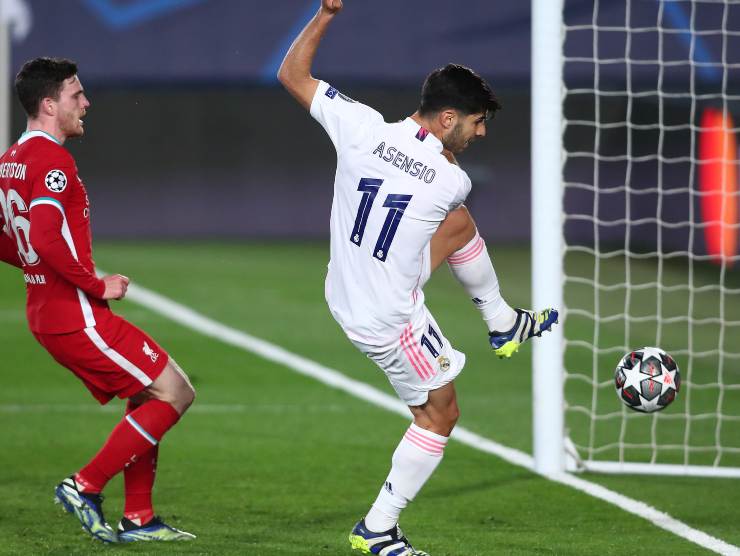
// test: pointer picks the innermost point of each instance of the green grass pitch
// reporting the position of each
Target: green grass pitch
(269, 462)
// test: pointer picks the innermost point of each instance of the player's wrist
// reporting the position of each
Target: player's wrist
(99, 289)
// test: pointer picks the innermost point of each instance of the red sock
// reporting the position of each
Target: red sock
(133, 437)
(138, 480)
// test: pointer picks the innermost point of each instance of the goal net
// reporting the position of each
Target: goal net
(649, 92)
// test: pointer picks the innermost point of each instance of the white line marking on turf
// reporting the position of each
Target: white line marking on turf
(209, 327)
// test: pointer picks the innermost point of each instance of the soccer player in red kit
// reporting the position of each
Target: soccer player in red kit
(45, 221)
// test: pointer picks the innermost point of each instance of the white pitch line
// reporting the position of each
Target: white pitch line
(211, 328)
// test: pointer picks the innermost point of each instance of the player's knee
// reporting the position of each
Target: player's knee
(460, 228)
(185, 397)
(445, 421)
(452, 415)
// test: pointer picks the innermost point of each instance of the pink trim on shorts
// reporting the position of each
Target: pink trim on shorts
(414, 355)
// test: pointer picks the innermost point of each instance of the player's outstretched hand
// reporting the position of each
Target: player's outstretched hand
(331, 6)
(115, 286)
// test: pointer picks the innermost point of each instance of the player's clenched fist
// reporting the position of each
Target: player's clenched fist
(331, 6)
(115, 286)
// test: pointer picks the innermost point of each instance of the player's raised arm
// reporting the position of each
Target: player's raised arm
(295, 71)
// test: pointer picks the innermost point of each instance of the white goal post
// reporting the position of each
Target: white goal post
(635, 230)
(547, 290)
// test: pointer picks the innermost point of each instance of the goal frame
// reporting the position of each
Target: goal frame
(552, 450)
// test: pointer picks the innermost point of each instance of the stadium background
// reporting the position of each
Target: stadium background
(187, 112)
(189, 137)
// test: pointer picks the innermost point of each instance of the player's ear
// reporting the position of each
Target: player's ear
(447, 118)
(48, 106)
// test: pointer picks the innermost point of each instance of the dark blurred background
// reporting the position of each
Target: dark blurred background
(190, 135)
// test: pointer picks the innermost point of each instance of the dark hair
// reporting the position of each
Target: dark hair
(41, 78)
(458, 87)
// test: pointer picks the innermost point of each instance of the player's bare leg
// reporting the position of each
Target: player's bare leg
(457, 241)
(172, 386)
(454, 233)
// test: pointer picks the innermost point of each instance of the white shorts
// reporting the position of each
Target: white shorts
(419, 361)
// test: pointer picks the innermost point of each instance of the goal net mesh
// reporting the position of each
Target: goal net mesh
(651, 89)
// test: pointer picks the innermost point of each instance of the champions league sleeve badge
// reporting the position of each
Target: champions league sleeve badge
(56, 181)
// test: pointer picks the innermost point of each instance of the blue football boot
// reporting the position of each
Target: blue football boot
(528, 324)
(388, 543)
(88, 508)
(154, 530)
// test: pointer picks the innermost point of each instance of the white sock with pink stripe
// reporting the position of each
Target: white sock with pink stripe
(473, 268)
(414, 461)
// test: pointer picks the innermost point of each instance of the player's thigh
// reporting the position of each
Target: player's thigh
(420, 361)
(453, 234)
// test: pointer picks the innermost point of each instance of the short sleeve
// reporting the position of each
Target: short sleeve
(346, 121)
(463, 190)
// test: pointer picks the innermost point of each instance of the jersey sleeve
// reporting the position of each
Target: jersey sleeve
(50, 235)
(463, 190)
(346, 121)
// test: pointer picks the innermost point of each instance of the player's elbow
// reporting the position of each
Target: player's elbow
(38, 240)
(284, 75)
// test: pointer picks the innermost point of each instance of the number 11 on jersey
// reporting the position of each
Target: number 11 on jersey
(397, 204)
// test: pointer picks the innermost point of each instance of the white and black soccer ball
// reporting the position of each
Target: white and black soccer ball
(647, 379)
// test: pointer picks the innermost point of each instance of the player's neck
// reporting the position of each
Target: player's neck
(429, 124)
(49, 128)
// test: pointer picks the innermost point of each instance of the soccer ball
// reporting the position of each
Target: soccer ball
(647, 379)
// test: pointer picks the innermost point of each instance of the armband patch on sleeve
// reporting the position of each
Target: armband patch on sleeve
(56, 181)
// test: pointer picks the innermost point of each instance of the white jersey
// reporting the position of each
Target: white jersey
(392, 189)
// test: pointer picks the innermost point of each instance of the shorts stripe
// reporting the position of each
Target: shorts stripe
(410, 355)
(425, 362)
(141, 430)
(429, 445)
(468, 254)
(117, 358)
(414, 355)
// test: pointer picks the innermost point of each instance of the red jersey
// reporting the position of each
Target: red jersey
(46, 223)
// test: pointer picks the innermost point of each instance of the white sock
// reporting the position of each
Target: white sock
(473, 268)
(417, 456)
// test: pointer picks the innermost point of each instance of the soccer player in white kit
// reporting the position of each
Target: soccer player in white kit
(397, 214)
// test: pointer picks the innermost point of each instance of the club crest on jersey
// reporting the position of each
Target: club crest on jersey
(331, 92)
(56, 181)
(149, 352)
(444, 363)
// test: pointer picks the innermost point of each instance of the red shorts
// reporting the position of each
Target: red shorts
(112, 359)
